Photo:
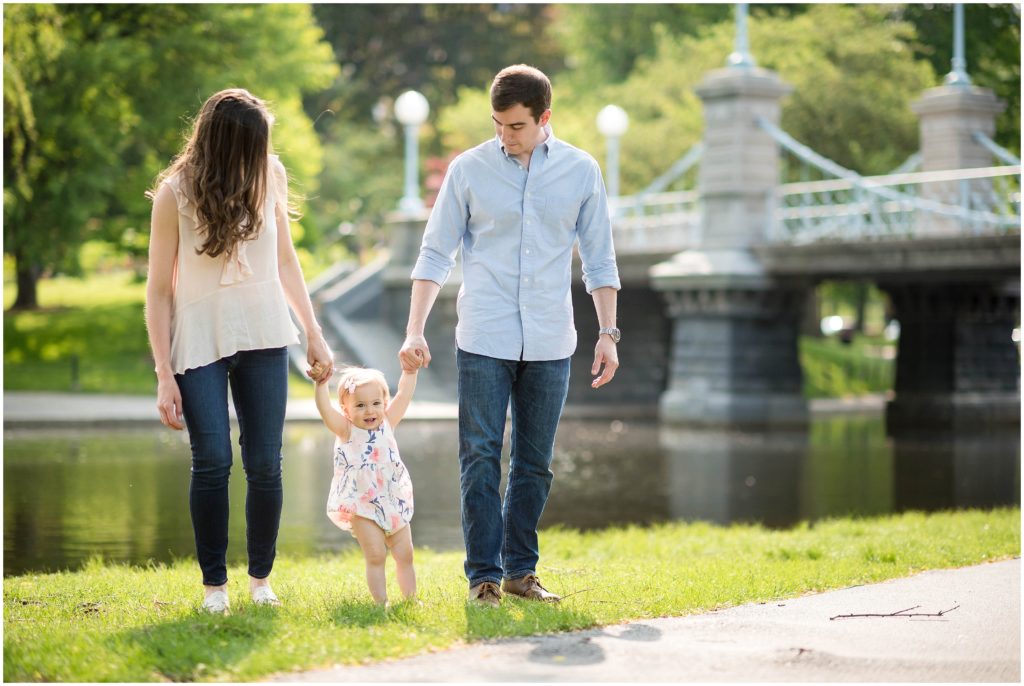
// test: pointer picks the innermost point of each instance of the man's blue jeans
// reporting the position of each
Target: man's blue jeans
(259, 389)
(501, 539)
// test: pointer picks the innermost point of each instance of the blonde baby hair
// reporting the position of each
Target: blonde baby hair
(351, 378)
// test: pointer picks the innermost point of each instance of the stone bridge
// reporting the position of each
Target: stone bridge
(716, 278)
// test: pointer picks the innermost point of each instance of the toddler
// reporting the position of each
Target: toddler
(371, 493)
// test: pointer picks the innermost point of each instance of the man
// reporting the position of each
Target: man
(516, 205)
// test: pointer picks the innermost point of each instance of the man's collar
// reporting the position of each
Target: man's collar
(549, 142)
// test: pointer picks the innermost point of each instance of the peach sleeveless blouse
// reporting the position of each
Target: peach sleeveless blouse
(226, 304)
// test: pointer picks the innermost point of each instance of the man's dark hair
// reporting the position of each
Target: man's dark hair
(523, 85)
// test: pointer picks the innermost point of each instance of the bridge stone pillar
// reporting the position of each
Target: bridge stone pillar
(733, 357)
(949, 117)
(956, 364)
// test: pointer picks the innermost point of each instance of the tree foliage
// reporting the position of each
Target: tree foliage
(362, 177)
(98, 100)
(632, 46)
(383, 50)
(854, 76)
(853, 72)
(97, 97)
(991, 48)
(605, 42)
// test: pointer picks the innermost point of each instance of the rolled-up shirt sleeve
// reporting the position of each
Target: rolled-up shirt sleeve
(594, 233)
(445, 228)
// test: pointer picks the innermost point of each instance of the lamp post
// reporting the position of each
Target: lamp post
(958, 77)
(411, 110)
(612, 122)
(740, 57)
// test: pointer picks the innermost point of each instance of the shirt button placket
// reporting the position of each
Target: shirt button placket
(526, 262)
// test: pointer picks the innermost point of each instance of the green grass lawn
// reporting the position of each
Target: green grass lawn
(96, 323)
(834, 370)
(99, 321)
(120, 623)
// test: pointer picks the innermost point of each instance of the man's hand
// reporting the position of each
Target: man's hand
(415, 353)
(606, 354)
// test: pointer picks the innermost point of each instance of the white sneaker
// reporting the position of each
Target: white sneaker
(264, 595)
(216, 603)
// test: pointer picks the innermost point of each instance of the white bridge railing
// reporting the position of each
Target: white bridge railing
(847, 207)
(656, 222)
(944, 203)
(851, 207)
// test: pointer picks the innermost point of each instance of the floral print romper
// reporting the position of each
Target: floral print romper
(370, 481)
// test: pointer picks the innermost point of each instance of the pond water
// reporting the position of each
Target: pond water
(123, 494)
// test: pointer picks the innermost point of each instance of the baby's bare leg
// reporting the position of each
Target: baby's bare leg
(401, 549)
(375, 551)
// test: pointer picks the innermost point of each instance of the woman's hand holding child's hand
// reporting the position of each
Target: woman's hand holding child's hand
(320, 357)
(319, 373)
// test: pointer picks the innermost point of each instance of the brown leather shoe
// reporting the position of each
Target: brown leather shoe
(529, 587)
(486, 593)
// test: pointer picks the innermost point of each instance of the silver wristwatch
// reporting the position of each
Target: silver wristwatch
(611, 331)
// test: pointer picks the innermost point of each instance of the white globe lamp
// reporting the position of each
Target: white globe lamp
(411, 110)
(612, 122)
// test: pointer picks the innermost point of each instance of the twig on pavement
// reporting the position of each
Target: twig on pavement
(899, 613)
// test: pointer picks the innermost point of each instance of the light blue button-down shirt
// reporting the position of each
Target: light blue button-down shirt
(517, 228)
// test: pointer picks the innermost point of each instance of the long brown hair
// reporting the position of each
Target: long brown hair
(224, 169)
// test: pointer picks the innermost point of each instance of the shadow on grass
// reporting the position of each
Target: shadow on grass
(523, 618)
(200, 646)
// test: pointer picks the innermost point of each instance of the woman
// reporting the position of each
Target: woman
(222, 273)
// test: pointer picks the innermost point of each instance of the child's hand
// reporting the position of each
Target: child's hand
(412, 362)
(316, 373)
(414, 353)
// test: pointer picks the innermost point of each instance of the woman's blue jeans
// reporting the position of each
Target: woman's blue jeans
(501, 538)
(259, 389)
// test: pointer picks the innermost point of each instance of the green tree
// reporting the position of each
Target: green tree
(434, 48)
(33, 39)
(383, 50)
(852, 70)
(991, 47)
(104, 105)
(665, 115)
(848, 63)
(604, 42)
(853, 78)
(362, 177)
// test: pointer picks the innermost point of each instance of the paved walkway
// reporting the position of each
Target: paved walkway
(791, 640)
